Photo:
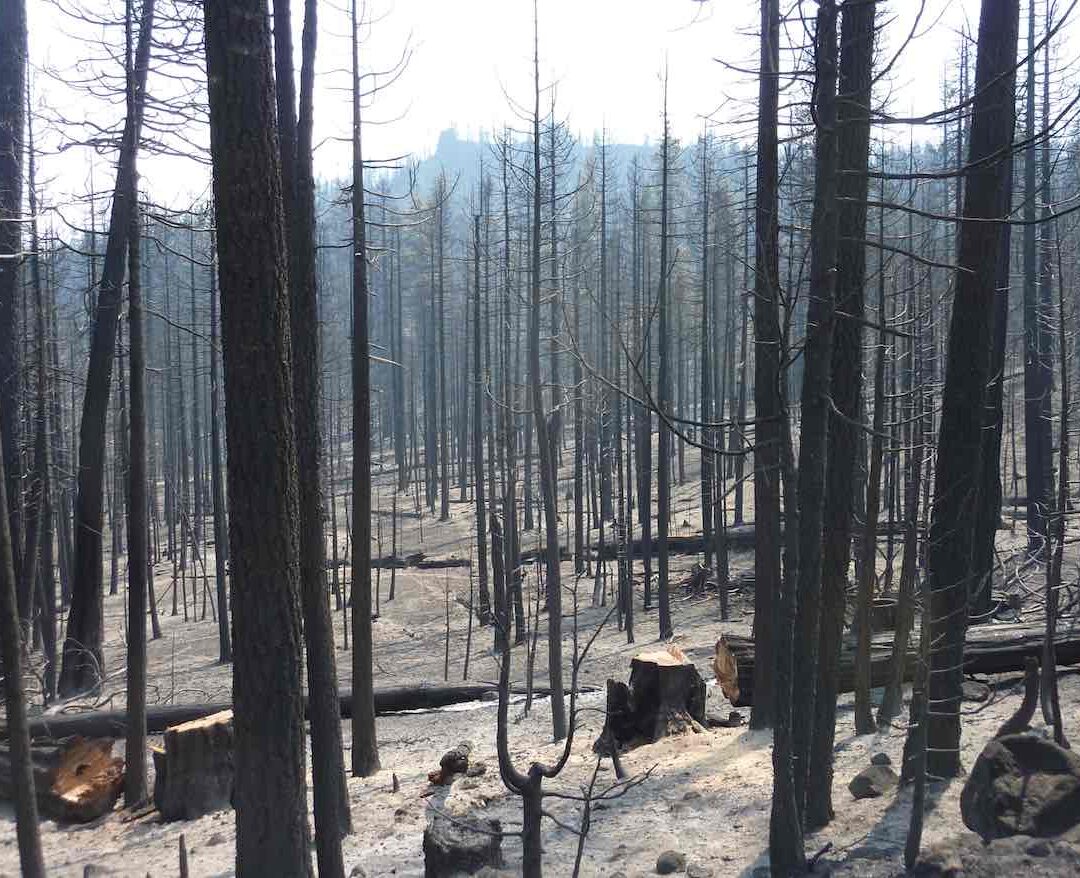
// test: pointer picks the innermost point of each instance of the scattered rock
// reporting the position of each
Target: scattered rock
(698, 870)
(975, 691)
(476, 769)
(715, 721)
(670, 862)
(880, 759)
(465, 845)
(968, 857)
(691, 794)
(873, 782)
(1022, 785)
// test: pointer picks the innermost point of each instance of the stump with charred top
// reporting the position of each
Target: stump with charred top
(665, 696)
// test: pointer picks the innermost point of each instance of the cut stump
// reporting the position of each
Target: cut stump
(665, 696)
(76, 780)
(194, 771)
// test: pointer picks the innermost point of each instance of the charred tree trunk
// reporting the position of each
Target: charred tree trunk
(853, 136)
(365, 747)
(816, 389)
(767, 374)
(957, 474)
(82, 668)
(331, 801)
(269, 793)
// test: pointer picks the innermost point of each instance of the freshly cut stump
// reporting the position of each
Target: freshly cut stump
(462, 845)
(665, 696)
(76, 780)
(194, 772)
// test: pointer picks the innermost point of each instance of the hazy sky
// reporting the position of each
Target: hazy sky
(469, 57)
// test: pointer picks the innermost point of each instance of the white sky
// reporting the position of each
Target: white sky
(467, 55)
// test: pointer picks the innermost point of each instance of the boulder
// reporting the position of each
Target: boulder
(466, 844)
(1022, 784)
(873, 781)
(670, 862)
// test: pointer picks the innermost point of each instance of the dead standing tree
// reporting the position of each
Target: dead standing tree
(957, 475)
(82, 658)
(270, 790)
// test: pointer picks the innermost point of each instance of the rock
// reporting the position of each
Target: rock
(715, 720)
(215, 839)
(698, 870)
(880, 759)
(670, 862)
(1022, 785)
(358, 872)
(873, 782)
(476, 769)
(454, 846)
(968, 857)
(691, 794)
(975, 691)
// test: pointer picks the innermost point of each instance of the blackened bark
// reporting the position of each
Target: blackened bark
(767, 376)
(217, 482)
(135, 790)
(958, 470)
(484, 609)
(816, 388)
(26, 817)
(853, 136)
(82, 668)
(365, 747)
(329, 792)
(13, 41)
(663, 469)
(544, 444)
(270, 789)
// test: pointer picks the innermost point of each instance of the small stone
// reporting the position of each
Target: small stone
(476, 769)
(215, 839)
(698, 870)
(691, 794)
(1038, 848)
(975, 692)
(873, 782)
(880, 759)
(670, 862)
(358, 872)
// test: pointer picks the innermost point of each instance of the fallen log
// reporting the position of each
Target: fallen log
(75, 780)
(395, 699)
(990, 649)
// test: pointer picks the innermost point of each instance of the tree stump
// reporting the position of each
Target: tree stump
(76, 780)
(194, 771)
(665, 696)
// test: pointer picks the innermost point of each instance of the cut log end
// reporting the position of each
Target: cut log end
(194, 770)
